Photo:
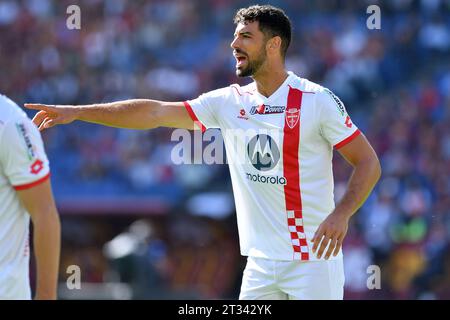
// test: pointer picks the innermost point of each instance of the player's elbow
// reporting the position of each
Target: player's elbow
(374, 167)
(370, 165)
(156, 117)
(45, 216)
(378, 169)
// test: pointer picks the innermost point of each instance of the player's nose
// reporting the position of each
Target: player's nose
(233, 43)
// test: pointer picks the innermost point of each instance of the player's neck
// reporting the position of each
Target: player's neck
(268, 81)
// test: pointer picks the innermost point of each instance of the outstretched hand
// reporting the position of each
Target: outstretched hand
(51, 115)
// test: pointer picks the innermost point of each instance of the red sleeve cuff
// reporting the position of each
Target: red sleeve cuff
(347, 140)
(32, 184)
(193, 116)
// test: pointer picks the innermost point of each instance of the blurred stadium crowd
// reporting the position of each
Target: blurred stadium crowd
(121, 185)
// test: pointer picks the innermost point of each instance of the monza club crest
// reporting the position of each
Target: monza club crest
(292, 117)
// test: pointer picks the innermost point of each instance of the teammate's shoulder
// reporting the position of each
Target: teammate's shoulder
(11, 115)
(10, 111)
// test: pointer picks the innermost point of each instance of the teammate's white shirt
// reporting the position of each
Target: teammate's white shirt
(23, 164)
(286, 190)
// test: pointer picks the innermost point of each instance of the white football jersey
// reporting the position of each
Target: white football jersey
(279, 152)
(23, 164)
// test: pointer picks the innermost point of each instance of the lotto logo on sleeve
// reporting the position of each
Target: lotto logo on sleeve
(36, 167)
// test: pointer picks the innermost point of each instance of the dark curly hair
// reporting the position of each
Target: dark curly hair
(272, 22)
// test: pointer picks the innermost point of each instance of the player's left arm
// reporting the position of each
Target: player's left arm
(366, 172)
(39, 203)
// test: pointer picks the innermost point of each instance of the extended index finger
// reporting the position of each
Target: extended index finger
(37, 106)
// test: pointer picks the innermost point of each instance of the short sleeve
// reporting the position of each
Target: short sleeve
(205, 109)
(22, 155)
(336, 125)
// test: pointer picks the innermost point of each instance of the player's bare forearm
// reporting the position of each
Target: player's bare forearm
(129, 114)
(47, 239)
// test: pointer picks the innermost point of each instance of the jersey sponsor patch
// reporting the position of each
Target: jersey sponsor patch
(266, 109)
(266, 179)
(339, 104)
(263, 152)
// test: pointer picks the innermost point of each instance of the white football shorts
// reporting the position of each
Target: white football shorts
(265, 279)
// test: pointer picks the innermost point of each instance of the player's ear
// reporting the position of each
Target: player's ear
(274, 44)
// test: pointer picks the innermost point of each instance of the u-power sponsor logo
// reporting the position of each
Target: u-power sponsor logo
(266, 109)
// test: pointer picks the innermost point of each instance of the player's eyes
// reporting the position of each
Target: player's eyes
(242, 35)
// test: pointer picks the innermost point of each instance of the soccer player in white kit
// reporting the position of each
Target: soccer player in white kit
(25, 191)
(289, 226)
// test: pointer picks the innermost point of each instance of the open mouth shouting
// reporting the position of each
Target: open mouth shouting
(241, 59)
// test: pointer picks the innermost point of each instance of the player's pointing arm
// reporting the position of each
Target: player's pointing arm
(131, 114)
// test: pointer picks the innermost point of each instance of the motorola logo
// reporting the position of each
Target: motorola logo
(263, 152)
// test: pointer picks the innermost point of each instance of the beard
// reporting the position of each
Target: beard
(252, 65)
